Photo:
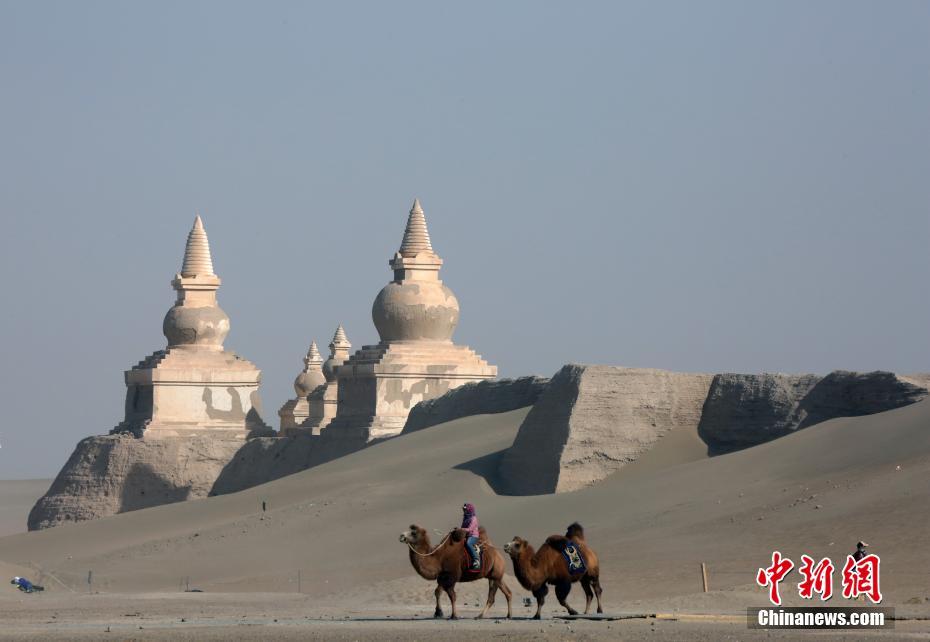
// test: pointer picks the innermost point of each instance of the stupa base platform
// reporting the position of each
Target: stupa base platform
(380, 384)
(293, 414)
(323, 409)
(167, 430)
(193, 391)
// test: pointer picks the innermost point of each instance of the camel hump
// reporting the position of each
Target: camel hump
(574, 531)
(558, 542)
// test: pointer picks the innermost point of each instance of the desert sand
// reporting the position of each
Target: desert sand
(816, 491)
(17, 497)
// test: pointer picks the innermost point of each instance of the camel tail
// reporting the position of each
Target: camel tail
(575, 531)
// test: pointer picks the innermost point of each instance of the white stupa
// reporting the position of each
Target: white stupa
(194, 386)
(324, 400)
(296, 411)
(416, 316)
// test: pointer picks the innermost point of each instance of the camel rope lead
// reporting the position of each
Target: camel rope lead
(485, 544)
(436, 548)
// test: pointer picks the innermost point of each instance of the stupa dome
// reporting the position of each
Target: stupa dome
(184, 325)
(312, 376)
(415, 305)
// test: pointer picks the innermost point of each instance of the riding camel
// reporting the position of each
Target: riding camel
(449, 564)
(548, 565)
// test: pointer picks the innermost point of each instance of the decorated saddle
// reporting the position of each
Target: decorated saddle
(573, 558)
(570, 551)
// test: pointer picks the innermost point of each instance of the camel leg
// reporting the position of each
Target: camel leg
(562, 589)
(596, 582)
(450, 591)
(540, 595)
(508, 594)
(492, 591)
(438, 594)
(588, 593)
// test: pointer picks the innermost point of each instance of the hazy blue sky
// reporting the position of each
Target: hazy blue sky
(700, 186)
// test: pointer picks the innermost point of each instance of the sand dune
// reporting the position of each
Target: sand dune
(652, 523)
(17, 497)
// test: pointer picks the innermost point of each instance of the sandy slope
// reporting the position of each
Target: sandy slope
(815, 492)
(16, 500)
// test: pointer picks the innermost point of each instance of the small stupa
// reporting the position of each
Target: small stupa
(296, 411)
(324, 400)
(194, 386)
(415, 315)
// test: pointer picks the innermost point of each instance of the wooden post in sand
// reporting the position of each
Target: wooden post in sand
(704, 575)
(298, 581)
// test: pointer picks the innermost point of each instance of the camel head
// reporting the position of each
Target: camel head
(515, 546)
(413, 536)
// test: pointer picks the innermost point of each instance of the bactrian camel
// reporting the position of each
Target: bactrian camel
(447, 565)
(536, 569)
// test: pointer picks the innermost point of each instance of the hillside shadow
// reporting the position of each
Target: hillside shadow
(260, 461)
(487, 468)
(144, 488)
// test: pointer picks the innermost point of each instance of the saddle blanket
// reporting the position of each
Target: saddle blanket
(574, 559)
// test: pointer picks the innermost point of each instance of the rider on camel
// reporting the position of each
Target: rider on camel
(470, 526)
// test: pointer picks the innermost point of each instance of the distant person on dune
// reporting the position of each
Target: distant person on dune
(470, 526)
(858, 555)
(860, 551)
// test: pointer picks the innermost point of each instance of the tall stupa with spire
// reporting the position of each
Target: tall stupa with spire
(415, 315)
(194, 386)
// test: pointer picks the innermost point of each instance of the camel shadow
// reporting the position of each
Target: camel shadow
(487, 468)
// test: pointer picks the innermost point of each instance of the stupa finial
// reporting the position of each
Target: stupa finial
(416, 236)
(197, 259)
(340, 339)
(313, 355)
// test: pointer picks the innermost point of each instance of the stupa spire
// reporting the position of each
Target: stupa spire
(416, 236)
(197, 259)
(313, 356)
(340, 339)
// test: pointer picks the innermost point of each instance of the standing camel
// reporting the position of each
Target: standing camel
(447, 565)
(536, 569)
